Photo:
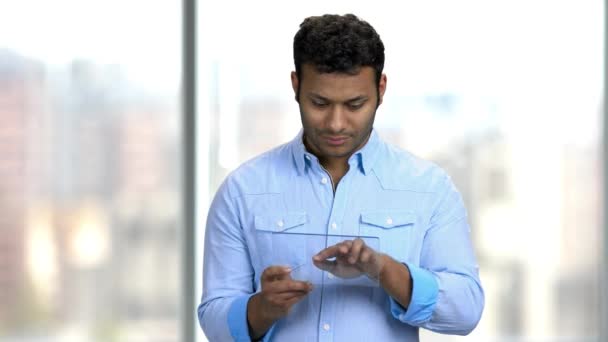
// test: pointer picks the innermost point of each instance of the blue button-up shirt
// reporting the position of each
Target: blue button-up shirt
(409, 204)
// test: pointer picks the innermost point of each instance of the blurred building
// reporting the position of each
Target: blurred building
(578, 283)
(124, 194)
(89, 203)
(21, 83)
(260, 120)
(538, 244)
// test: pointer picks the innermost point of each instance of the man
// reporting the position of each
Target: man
(338, 178)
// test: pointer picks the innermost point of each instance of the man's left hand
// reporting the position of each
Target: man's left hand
(350, 259)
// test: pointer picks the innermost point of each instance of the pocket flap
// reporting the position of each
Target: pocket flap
(280, 223)
(388, 219)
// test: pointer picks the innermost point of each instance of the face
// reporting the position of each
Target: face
(337, 110)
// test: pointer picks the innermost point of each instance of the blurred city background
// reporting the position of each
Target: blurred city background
(506, 96)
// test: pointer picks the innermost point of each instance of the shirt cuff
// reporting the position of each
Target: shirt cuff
(237, 321)
(425, 290)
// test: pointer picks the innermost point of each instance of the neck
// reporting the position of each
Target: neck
(337, 167)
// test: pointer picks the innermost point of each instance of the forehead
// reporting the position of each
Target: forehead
(337, 85)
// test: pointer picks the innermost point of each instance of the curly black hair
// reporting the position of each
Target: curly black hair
(338, 43)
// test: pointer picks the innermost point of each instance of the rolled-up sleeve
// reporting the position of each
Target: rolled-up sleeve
(447, 296)
(424, 298)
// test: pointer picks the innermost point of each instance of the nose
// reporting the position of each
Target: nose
(336, 119)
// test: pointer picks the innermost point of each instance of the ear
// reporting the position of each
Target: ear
(295, 83)
(381, 88)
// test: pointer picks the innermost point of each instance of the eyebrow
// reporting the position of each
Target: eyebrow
(322, 98)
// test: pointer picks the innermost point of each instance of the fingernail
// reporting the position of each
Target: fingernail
(287, 269)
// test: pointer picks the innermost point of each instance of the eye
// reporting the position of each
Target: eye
(355, 106)
(319, 104)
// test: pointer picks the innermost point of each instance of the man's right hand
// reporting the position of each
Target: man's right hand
(279, 293)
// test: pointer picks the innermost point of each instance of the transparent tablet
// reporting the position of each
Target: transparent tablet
(297, 249)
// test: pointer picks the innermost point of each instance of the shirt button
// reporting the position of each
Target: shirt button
(307, 157)
(326, 327)
(334, 226)
(280, 223)
(389, 221)
(324, 180)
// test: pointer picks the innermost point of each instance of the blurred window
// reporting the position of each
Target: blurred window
(90, 170)
(506, 96)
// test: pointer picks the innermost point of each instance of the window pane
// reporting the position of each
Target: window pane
(503, 95)
(90, 171)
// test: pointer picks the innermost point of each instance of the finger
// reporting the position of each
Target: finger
(329, 252)
(285, 300)
(345, 246)
(290, 286)
(288, 296)
(289, 303)
(366, 255)
(275, 273)
(336, 250)
(355, 251)
(326, 265)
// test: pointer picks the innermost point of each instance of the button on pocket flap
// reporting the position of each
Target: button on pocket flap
(388, 219)
(279, 223)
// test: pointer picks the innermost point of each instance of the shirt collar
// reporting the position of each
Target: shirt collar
(365, 157)
(300, 155)
(368, 154)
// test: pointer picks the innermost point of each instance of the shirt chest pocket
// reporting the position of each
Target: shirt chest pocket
(280, 239)
(393, 228)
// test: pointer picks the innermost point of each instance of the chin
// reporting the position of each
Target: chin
(337, 154)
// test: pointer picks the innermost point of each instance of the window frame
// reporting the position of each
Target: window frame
(604, 262)
(195, 180)
(188, 318)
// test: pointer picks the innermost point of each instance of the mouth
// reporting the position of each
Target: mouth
(335, 141)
